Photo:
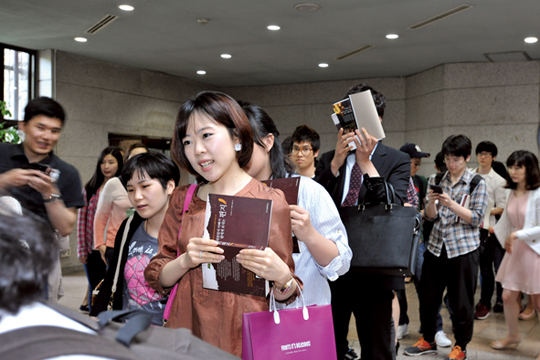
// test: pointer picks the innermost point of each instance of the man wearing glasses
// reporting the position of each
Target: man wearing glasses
(491, 253)
(306, 143)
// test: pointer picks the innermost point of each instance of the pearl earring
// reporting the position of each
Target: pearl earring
(237, 147)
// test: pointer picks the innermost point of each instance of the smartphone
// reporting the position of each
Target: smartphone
(37, 166)
(436, 189)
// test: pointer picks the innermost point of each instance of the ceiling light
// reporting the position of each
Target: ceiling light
(201, 72)
(273, 27)
(392, 36)
(307, 7)
(81, 39)
(126, 7)
(323, 65)
(226, 56)
(531, 40)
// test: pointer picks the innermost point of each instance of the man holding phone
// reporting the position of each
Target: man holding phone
(451, 258)
(31, 173)
(26, 169)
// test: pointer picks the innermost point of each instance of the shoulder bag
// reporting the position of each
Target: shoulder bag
(383, 236)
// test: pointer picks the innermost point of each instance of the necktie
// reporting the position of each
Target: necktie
(354, 187)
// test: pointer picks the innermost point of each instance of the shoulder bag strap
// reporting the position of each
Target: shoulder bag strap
(187, 200)
(124, 237)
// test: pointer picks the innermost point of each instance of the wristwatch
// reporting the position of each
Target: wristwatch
(53, 198)
(286, 287)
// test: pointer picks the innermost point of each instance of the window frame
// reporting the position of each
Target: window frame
(32, 79)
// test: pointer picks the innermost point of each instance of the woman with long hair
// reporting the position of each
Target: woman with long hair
(519, 229)
(213, 139)
(112, 209)
(109, 165)
(324, 250)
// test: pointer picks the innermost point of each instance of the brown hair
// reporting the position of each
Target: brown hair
(225, 111)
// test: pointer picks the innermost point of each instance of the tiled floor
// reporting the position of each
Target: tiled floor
(485, 331)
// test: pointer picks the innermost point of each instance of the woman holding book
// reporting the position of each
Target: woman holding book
(324, 250)
(213, 139)
(519, 227)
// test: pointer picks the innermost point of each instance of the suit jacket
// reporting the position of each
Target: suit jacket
(394, 167)
(531, 226)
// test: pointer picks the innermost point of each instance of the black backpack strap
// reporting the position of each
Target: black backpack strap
(43, 342)
(474, 182)
(439, 177)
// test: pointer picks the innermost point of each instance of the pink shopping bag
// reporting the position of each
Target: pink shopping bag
(305, 333)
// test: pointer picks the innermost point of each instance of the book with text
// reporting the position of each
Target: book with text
(359, 111)
(236, 223)
(290, 187)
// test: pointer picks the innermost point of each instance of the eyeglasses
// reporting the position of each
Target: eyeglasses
(417, 164)
(304, 150)
(454, 160)
(485, 154)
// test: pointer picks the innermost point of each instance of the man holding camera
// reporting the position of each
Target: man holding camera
(31, 173)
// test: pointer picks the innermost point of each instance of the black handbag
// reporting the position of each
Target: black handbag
(383, 236)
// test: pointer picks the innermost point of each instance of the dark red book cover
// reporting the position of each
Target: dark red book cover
(290, 187)
(236, 223)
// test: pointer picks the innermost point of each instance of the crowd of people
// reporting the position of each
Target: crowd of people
(140, 234)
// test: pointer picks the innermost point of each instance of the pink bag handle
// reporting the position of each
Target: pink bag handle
(172, 295)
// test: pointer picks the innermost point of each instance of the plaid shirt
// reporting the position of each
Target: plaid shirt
(85, 225)
(412, 195)
(459, 238)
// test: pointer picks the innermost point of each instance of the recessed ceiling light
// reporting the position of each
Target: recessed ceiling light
(273, 27)
(201, 72)
(81, 39)
(392, 36)
(323, 65)
(226, 56)
(126, 7)
(531, 40)
(307, 7)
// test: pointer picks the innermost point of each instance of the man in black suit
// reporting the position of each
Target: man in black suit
(369, 297)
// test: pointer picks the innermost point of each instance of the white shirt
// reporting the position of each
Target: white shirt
(496, 192)
(326, 221)
(351, 160)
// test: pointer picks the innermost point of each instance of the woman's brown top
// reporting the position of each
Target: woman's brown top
(214, 316)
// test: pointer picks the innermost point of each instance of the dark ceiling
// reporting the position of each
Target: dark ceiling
(164, 35)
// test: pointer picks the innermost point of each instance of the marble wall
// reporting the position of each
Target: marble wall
(102, 98)
(485, 101)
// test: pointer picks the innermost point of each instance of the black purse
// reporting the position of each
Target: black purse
(383, 236)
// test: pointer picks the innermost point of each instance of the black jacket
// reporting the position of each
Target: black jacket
(102, 299)
(394, 167)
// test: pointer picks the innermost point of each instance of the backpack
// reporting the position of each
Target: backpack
(428, 224)
(134, 340)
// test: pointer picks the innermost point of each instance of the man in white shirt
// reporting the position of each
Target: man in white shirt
(491, 253)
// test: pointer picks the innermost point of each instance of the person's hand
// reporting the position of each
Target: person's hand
(445, 200)
(342, 150)
(17, 177)
(43, 184)
(509, 242)
(300, 222)
(365, 146)
(82, 259)
(266, 264)
(201, 250)
(102, 250)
